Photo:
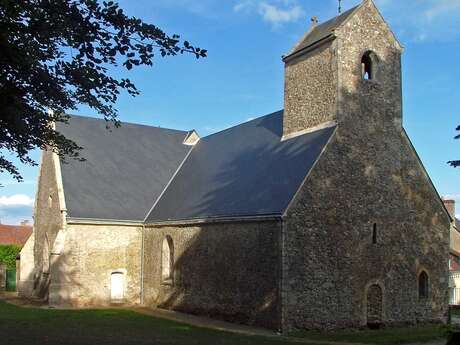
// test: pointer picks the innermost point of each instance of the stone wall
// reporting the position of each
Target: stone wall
(310, 89)
(330, 258)
(369, 177)
(223, 270)
(48, 221)
(90, 254)
(26, 270)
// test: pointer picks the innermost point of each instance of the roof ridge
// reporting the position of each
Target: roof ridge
(127, 123)
(321, 31)
(243, 123)
(15, 226)
(169, 183)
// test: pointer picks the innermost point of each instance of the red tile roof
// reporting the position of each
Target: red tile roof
(14, 234)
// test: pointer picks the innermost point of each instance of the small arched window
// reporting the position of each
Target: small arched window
(423, 285)
(368, 65)
(167, 260)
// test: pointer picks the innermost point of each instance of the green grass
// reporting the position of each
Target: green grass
(384, 336)
(26, 326)
(455, 312)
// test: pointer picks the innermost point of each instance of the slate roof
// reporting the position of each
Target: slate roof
(125, 170)
(245, 170)
(321, 31)
(14, 234)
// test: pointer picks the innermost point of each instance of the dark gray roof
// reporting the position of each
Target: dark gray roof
(243, 171)
(457, 223)
(125, 170)
(321, 31)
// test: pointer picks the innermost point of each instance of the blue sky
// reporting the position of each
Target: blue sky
(243, 76)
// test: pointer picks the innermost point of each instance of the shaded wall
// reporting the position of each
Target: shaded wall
(369, 174)
(223, 270)
(48, 221)
(26, 268)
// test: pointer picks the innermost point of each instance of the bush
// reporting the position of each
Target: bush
(8, 254)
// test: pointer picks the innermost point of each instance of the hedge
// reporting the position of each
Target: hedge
(8, 254)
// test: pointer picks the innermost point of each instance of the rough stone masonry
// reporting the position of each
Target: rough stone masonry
(320, 216)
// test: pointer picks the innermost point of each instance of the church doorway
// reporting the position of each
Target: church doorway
(374, 306)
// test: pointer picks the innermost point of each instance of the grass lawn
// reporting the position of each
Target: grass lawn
(455, 312)
(384, 336)
(26, 326)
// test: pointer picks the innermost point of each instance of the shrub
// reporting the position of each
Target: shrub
(8, 254)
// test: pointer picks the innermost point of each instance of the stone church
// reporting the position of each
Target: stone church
(318, 216)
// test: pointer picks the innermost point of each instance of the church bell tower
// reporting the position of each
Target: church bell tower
(346, 71)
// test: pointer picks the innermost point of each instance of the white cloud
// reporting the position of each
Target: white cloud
(244, 6)
(15, 208)
(275, 12)
(278, 16)
(16, 200)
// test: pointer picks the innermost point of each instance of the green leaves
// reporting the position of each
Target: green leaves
(55, 55)
(8, 254)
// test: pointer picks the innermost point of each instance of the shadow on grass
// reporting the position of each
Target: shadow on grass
(383, 336)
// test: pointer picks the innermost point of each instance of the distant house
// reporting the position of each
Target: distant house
(15, 234)
(454, 255)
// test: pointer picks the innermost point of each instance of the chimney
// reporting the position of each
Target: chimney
(314, 20)
(25, 222)
(450, 206)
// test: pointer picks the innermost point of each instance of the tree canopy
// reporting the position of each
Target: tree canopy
(456, 164)
(55, 54)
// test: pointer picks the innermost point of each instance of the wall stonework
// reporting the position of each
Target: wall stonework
(27, 268)
(348, 250)
(48, 221)
(310, 89)
(368, 174)
(224, 270)
(90, 254)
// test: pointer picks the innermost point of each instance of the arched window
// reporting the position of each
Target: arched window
(167, 260)
(369, 65)
(374, 306)
(423, 285)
